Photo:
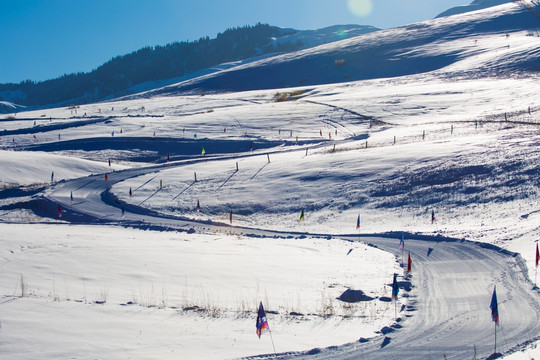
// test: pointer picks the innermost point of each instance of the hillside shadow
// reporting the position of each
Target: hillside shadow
(186, 189)
(144, 183)
(227, 180)
(257, 173)
(148, 198)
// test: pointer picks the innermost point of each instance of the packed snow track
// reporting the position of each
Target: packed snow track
(448, 314)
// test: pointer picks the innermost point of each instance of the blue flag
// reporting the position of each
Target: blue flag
(494, 307)
(402, 242)
(262, 323)
(395, 288)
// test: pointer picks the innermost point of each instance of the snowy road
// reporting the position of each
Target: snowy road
(448, 310)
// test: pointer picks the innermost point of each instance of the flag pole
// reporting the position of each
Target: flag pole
(537, 260)
(495, 350)
(271, 338)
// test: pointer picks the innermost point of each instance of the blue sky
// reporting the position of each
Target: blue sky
(44, 39)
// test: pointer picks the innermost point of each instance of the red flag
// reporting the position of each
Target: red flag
(409, 264)
(106, 177)
(537, 255)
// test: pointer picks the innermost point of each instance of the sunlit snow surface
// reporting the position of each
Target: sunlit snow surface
(466, 147)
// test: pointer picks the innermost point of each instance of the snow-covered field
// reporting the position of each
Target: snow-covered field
(112, 292)
(164, 280)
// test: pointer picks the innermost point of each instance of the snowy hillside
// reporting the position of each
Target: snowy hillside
(499, 40)
(475, 5)
(172, 214)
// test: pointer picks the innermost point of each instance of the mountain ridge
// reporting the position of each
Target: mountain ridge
(407, 50)
(151, 67)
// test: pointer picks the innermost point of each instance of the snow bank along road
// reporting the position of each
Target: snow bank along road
(449, 292)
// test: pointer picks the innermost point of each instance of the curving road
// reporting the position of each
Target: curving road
(448, 311)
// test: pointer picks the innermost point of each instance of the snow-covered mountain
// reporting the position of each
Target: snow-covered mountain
(475, 5)
(501, 39)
